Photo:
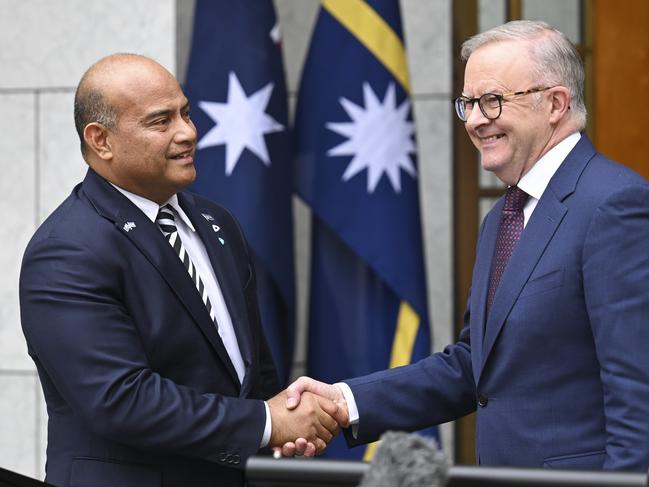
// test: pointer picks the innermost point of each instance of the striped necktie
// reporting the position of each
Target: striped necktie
(167, 222)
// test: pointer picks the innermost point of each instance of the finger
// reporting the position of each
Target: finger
(310, 450)
(320, 446)
(288, 449)
(301, 446)
(329, 407)
(325, 426)
(323, 433)
(326, 416)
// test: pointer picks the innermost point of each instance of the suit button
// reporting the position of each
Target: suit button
(236, 459)
(482, 400)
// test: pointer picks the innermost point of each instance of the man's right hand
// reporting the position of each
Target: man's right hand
(315, 421)
(322, 389)
(295, 392)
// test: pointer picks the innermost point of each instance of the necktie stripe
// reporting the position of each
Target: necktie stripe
(167, 223)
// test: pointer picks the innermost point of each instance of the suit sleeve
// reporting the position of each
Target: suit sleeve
(80, 334)
(616, 289)
(435, 390)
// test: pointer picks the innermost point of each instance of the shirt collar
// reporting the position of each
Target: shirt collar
(538, 178)
(151, 208)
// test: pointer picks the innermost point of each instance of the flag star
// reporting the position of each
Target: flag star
(241, 123)
(379, 138)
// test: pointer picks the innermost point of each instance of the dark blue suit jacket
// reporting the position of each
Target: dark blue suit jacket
(559, 371)
(140, 390)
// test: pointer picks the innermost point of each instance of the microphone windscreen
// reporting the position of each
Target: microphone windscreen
(406, 460)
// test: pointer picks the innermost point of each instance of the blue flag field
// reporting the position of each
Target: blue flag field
(356, 167)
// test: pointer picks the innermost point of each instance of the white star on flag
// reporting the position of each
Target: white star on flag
(379, 137)
(241, 123)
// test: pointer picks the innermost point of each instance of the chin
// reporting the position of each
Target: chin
(491, 165)
(189, 174)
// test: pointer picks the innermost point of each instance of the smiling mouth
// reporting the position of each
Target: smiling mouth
(491, 138)
(182, 155)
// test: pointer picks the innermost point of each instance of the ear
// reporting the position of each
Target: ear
(96, 136)
(560, 99)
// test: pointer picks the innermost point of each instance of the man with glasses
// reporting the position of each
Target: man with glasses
(554, 354)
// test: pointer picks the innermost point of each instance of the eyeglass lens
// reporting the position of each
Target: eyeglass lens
(489, 103)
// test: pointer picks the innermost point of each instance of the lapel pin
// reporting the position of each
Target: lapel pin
(208, 217)
(128, 226)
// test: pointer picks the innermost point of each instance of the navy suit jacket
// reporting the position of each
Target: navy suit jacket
(559, 370)
(140, 390)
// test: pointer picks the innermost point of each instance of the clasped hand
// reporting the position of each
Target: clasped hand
(306, 417)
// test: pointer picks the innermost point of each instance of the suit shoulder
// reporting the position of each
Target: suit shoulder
(602, 179)
(604, 172)
(74, 221)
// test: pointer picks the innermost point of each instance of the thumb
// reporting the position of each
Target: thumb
(342, 413)
(294, 393)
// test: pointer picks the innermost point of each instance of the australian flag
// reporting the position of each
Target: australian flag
(357, 170)
(235, 83)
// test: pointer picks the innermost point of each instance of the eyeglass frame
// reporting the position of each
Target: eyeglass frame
(502, 97)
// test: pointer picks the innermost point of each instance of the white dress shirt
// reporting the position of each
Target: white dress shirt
(198, 254)
(534, 184)
(538, 178)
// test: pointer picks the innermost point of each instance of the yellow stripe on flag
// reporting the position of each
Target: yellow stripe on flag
(374, 33)
(405, 336)
(404, 341)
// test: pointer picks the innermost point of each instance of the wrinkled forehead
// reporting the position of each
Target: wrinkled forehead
(497, 67)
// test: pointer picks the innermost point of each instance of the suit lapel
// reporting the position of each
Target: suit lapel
(537, 234)
(480, 285)
(545, 220)
(148, 239)
(211, 233)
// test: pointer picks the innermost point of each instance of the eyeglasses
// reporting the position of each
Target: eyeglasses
(491, 104)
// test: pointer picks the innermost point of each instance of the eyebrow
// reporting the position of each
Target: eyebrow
(164, 112)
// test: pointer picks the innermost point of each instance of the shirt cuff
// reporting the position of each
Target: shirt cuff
(352, 409)
(265, 439)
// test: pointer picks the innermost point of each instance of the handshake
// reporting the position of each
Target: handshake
(306, 417)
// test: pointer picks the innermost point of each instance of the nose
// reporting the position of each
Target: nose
(186, 131)
(476, 118)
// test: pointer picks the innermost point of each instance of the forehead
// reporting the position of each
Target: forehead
(498, 66)
(145, 89)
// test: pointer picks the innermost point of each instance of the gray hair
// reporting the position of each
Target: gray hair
(90, 105)
(556, 58)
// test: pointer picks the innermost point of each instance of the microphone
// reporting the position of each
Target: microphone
(406, 460)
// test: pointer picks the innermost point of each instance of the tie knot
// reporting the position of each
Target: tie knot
(515, 199)
(166, 219)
